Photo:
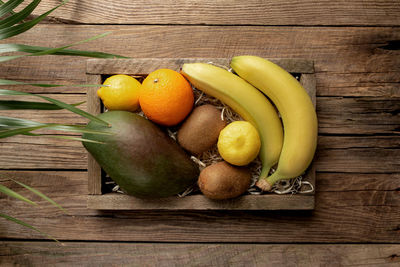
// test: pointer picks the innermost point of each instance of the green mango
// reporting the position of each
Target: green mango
(143, 160)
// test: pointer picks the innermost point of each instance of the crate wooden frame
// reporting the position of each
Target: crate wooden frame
(95, 68)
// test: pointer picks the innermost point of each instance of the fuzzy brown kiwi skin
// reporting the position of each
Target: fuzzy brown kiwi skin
(224, 181)
(201, 129)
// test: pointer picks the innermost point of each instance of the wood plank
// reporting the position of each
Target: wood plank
(378, 84)
(336, 115)
(116, 201)
(155, 254)
(308, 81)
(358, 182)
(23, 152)
(327, 182)
(358, 115)
(335, 221)
(295, 12)
(361, 156)
(344, 212)
(334, 154)
(348, 60)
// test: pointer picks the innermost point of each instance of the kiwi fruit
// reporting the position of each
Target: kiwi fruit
(223, 181)
(200, 131)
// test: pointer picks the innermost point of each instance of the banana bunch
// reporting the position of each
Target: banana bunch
(245, 100)
(293, 150)
(297, 111)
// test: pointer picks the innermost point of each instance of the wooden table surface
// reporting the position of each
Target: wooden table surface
(355, 45)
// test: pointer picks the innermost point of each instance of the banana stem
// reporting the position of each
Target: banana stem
(262, 181)
(266, 183)
(264, 172)
(263, 185)
(275, 177)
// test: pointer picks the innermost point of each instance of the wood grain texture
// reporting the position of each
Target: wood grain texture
(116, 201)
(336, 115)
(294, 12)
(358, 156)
(358, 115)
(120, 254)
(49, 116)
(334, 154)
(331, 182)
(344, 212)
(94, 107)
(307, 80)
(23, 152)
(348, 60)
(143, 66)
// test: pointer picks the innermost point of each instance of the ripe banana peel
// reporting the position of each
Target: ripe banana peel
(244, 99)
(297, 111)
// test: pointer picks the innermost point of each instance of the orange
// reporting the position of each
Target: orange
(166, 97)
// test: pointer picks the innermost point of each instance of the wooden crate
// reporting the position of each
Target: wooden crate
(97, 69)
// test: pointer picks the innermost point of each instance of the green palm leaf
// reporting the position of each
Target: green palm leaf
(11, 82)
(9, 6)
(26, 225)
(18, 17)
(75, 129)
(22, 130)
(58, 103)
(55, 50)
(20, 28)
(16, 105)
(5, 48)
(9, 122)
(9, 127)
(40, 194)
(67, 138)
(11, 193)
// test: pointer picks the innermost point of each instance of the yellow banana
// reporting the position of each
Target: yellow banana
(297, 111)
(244, 99)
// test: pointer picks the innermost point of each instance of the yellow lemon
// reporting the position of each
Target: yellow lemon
(239, 143)
(121, 93)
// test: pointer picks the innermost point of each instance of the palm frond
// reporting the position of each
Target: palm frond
(58, 103)
(5, 48)
(18, 17)
(67, 138)
(8, 7)
(26, 225)
(11, 82)
(23, 27)
(49, 51)
(21, 130)
(7, 191)
(40, 194)
(9, 125)
(8, 122)
(17, 105)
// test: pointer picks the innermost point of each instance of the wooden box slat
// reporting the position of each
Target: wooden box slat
(93, 107)
(140, 67)
(143, 66)
(117, 201)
